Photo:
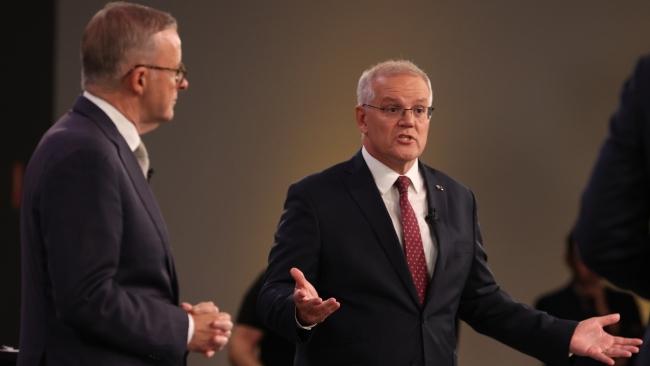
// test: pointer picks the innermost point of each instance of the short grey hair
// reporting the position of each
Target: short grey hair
(113, 38)
(365, 91)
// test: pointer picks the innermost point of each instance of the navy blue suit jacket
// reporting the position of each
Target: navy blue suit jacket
(613, 231)
(98, 280)
(336, 229)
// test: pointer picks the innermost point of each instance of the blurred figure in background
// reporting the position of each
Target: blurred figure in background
(587, 295)
(613, 231)
(252, 343)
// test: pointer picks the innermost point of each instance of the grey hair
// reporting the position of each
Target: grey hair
(365, 91)
(115, 36)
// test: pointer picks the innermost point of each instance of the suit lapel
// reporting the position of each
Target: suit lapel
(85, 107)
(364, 191)
(437, 201)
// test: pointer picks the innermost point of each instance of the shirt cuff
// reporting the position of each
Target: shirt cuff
(305, 327)
(190, 328)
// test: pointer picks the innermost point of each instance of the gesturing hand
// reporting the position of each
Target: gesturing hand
(310, 308)
(591, 340)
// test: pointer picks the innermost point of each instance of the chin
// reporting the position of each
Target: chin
(408, 155)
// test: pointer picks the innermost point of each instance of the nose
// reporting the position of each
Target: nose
(407, 118)
(184, 84)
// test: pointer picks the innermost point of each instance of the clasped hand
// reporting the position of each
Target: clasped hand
(212, 328)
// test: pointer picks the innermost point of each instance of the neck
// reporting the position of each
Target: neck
(126, 105)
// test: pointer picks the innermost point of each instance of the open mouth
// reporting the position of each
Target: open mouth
(405, 138)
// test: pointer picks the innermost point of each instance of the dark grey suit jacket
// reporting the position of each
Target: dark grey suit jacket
(336, 229)
(98, 280)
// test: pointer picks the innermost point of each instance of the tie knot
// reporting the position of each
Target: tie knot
(403, 183)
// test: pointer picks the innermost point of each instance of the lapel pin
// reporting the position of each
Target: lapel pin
(439, 187)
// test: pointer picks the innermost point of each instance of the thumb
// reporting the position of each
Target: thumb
(609, 319)
(186, 306)
(299, 277)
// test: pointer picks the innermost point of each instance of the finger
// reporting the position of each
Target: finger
(302, 299)
(206, 310)
(301, 295)
(330, 305)
(598, 356)
(220, 341)
(224, 316)
(225, 333)
(186, 306)
(206, 306)
(618, 352)
(632, 349)
(609, 319)
(299, 277)
(223, 325)
(628, 341)
(209, 354)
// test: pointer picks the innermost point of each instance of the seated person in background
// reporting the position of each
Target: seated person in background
(252, 343)
(587, 296)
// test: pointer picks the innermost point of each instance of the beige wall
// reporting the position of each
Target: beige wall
(523, 92)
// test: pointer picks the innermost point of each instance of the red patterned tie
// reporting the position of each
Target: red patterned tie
(413, 247)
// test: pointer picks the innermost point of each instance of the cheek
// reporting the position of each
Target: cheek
(423, 133)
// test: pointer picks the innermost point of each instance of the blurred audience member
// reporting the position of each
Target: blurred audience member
(613, 231)
(252, 343)
(587, 295)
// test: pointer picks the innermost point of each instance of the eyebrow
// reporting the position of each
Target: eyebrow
(393, 100)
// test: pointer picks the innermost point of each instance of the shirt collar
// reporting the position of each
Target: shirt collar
(385, 177)
(125, 127)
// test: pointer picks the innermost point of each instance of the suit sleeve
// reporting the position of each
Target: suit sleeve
(490, 311)
(81, 217)
(612, 227)
(297, 244)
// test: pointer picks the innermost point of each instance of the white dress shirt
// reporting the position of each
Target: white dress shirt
(385, 179)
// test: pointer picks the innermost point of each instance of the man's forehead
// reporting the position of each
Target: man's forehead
(397, 87)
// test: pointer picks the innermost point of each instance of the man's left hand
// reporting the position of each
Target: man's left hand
(591, 340)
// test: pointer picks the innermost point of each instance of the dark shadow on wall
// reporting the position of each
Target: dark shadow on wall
(28, 80)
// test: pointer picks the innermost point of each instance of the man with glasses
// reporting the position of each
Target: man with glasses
(98, 280)
(375, 258)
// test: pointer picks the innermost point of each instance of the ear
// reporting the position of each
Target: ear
(136, 80)
(360, 114)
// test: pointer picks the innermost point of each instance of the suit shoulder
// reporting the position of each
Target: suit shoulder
(73, 138)
(74, 132)
(445, 181)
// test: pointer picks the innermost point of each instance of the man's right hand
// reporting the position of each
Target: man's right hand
(310, 308)
(212, 328)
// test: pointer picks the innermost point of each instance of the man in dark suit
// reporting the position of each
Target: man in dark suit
(98, 279)
(612, 229)
(376, 257)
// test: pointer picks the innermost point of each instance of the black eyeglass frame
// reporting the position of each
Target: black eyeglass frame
(180, 73)
(383, 109)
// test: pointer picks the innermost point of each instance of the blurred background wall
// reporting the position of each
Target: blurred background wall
(523, 92)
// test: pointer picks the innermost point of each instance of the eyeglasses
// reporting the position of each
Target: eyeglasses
(396, 110)
(180, 74)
